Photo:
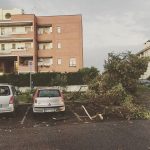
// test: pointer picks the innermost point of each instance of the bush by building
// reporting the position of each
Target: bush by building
(48, 79)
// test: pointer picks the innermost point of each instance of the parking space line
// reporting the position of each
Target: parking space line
(25, 115)
(78, 117)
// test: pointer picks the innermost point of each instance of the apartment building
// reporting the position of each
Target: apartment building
(40, 43)
(145, 53)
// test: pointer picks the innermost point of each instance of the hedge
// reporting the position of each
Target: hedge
(44, 79)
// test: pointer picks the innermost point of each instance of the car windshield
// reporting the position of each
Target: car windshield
(4, 91)
(48, 93)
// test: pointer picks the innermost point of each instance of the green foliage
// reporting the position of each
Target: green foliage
(83, 76)
(89, 74)
(75, 78)
(125, 68)
(119, 82)
(131, 110)
(25, 97)
(116, 95)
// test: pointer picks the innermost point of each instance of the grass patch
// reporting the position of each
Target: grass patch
(24, 98)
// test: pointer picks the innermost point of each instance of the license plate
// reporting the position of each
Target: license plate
(49, 110)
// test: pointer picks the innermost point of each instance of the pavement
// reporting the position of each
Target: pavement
(65, 132)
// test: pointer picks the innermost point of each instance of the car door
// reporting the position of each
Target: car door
(5, 95)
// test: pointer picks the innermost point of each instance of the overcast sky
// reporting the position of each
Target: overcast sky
(109, 25)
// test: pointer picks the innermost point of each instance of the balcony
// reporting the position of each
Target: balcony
(16, 32)
(15, 23)
(24, 69)
(44, 33)
(17, 35)
(10, 39)
(45, 62)
(21, 51)
(4, 52)
(24, 64)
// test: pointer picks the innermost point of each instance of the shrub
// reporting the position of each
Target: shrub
(89, 74)
(116, 95)
(131, 110)
(125, 68)
(119, 82)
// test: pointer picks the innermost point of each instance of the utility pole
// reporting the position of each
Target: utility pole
(30, 67)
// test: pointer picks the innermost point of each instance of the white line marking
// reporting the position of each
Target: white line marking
(25, 115)
(87, 112)
(78, 117)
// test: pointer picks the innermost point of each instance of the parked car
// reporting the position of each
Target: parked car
(8, 98)
(145, 82)
(48, 100)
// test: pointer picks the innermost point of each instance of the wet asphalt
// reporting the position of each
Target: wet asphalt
(65, 132)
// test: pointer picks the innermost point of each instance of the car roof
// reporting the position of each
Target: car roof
(3, 84)
(47, 89)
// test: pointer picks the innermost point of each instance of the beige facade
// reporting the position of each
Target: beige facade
(145, 53)
(49, 43)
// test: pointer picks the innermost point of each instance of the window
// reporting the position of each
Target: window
(13, 29)
(45, 46)
(45, 62)
(72, 62)
(2, 46)
(24, 61)
(48, 61)
(40, 46)
(51, 45)
(51, 29)
(27, 29)
(58, 29)
(2, 31)
(27, 45)
(59, 61)
(48, 93)
(46, 30)
(40, 31)
(13, 46)
(4, 91)
(59, 45)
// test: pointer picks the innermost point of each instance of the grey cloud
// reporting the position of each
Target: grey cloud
(109, 25)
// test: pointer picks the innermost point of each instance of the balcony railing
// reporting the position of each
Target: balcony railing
(15, 23)
(5, 34)
(9, 39)
(13, 51)
(2, 52)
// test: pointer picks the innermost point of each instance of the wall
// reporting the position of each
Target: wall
(12, 12)
(71, 88)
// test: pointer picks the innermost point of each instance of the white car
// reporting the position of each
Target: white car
(48, 100)
(8, 98)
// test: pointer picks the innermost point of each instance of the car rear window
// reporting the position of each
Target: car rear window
(48, 93)
(4, 91)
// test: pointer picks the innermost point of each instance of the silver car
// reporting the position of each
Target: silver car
(8, 98)
(48, 100)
